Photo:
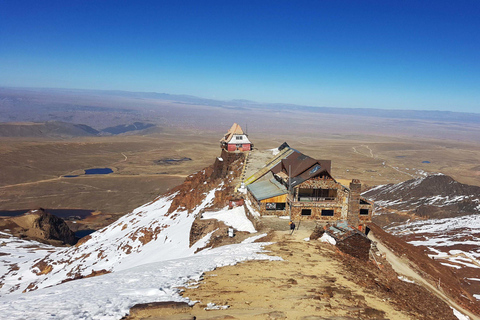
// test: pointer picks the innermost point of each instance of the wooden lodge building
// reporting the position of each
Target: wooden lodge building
(299, 186)
(235, 140)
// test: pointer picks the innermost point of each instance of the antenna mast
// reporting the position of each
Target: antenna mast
(289, 191)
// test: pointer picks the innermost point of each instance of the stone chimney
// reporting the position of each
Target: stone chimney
(354, 203)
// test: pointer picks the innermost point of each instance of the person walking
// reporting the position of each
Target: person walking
(292, 226)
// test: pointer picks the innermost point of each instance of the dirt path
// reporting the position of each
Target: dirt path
(402, 267)
(308, 284)
(371, 155)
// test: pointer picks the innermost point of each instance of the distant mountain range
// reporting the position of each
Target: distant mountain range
(7, 94)
(64, 129)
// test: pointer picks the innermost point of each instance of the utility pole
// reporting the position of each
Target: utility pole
(290, 192)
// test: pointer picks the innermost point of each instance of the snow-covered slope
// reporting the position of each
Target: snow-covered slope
(148, 234)
(142, 257)
(438, 213)
(445, 238)
(110, 296)
(453, 242)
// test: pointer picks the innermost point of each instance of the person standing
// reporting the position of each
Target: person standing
(292, 226)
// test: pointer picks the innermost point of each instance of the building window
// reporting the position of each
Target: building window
(239, 137)
(271, 206)
(275, 206)
(364, 212)
(306, 212)
(327, 213)
(316, 195)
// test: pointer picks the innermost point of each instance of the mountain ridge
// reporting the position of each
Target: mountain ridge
(55, 128)
(433, 196)
(435, 115)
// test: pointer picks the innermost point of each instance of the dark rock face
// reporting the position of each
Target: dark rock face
(435, 196)
(55, 228)
(41, 226)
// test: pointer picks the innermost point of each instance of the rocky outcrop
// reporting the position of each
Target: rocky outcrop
(42, 226)
(193, 190)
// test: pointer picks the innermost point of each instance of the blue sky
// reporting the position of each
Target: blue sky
(422, 55)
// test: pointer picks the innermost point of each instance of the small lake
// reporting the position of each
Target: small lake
(84, 233)
(98, 171)
(425, 161)
(62, 213)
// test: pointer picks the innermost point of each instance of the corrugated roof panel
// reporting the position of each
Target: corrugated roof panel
(267, 189)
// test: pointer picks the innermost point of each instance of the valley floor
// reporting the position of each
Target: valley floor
(314, 281)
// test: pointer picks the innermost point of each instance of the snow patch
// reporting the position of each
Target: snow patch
(459, 315)
(275, 151)
(213, 306)
(234, 218)
(405, 279)
(327, 238)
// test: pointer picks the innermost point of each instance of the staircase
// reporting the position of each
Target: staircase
(242, 175)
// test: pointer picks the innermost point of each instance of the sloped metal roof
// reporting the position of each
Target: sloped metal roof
(297, 164)
(267, 189)
(235, 129)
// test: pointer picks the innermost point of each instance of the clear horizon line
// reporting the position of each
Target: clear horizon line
(241, 99)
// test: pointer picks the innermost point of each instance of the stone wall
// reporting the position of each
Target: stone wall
(339, 205)
(354, 203)
(222, 167)
(316, 210)
(366, 218)
(261, 207)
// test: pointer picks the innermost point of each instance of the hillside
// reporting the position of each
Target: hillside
(439, 215)
(433, 196)
(312, 281)
(143, 257)
(133, 240)
(45, 129)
